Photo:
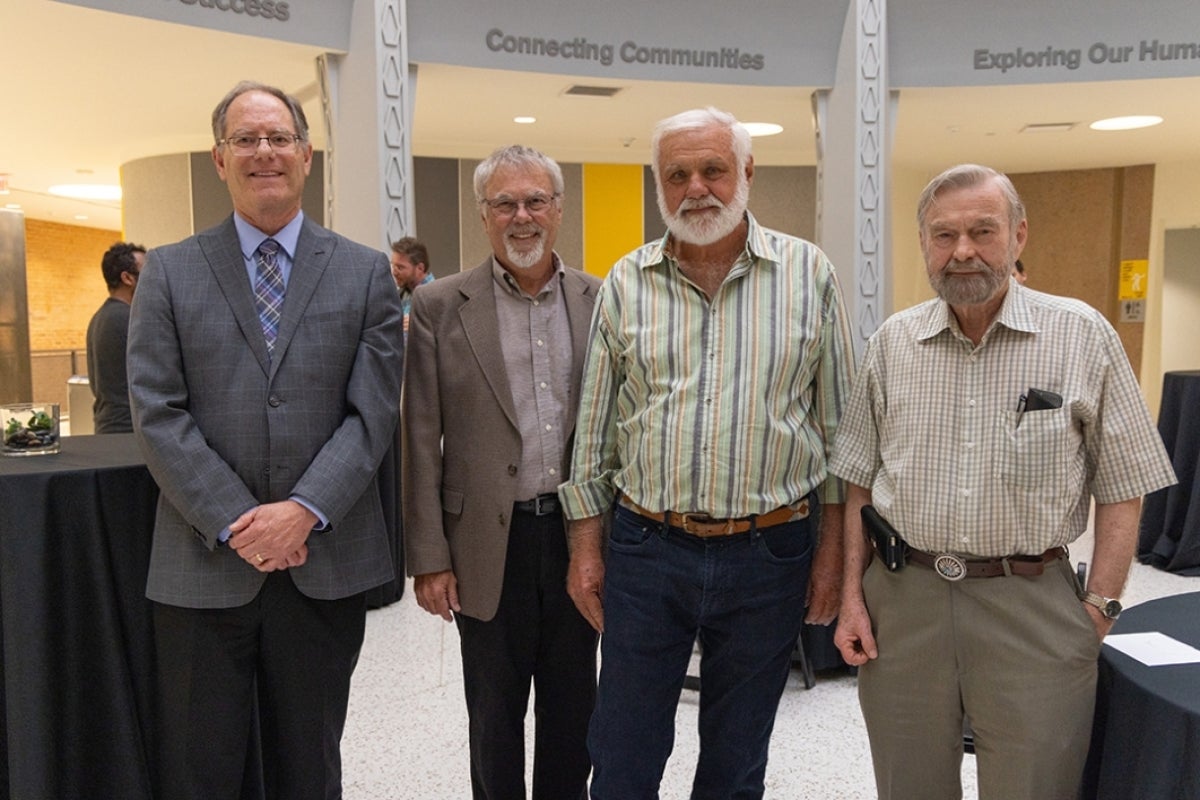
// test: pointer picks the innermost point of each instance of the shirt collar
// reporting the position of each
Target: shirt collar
(250, 237)
(509, 283)
(1016, 313)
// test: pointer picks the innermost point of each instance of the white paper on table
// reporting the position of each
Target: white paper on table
(1153, 649)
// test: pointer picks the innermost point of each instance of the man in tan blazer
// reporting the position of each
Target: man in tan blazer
(491, 385)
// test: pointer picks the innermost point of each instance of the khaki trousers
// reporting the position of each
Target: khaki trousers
(1016, 655)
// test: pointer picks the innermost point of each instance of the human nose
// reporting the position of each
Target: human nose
(696, 186)
(964, 248)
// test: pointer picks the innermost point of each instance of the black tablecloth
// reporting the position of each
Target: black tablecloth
(1146, 741)
(76, 716)
(78, 653)
(1170, 528)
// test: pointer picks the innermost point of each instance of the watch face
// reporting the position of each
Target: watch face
(1111, 609)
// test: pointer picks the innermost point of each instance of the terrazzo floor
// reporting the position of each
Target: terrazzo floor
(406, 735)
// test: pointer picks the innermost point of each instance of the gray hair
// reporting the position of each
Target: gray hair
(519, 157)
(222, 110)
(699, 119)
(965, 176)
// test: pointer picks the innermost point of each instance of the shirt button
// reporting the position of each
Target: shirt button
(971, 403)
(553, 471)
(540, 343)
(542, 384)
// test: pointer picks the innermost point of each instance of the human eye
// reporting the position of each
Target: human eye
(676, 176)
(281, 140)
(537, 203)
(504, 206)
(243, 140)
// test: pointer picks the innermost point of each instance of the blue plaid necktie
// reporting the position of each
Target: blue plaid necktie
(268, 290)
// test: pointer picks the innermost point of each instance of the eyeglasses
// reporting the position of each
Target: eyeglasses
(244, 144)
(506, 206)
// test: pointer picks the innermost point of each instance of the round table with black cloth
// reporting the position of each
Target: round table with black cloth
(77, 655)
(1146, 737)
(1170, 529)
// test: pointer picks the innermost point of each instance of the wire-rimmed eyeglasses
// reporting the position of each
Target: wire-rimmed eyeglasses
(507, 206)
(246, 144)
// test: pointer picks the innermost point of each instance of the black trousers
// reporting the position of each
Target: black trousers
(536, 636)
(283, 655)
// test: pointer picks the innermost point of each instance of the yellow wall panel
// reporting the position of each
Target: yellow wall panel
(612, 214)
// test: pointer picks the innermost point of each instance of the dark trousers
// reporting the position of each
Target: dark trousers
(286, 655)
(743, 597)
(536, 636)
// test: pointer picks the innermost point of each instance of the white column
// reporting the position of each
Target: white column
(367, 99)
(853, 153)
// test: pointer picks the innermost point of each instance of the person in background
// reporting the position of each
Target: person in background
(982, 426)
(720, 356)
(410, 269)
(491, 386)
(107, 334)
(264, 370)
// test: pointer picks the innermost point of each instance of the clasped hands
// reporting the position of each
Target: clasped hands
(273, 536)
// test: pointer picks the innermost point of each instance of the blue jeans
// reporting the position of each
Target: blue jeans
(743, 596)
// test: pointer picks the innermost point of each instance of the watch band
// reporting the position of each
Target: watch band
(1110, 607)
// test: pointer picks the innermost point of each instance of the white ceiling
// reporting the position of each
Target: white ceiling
(86, 91)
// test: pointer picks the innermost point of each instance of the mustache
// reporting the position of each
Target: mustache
(972, 267)
(693, 203)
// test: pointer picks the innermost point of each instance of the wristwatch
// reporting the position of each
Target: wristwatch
(1109, 607)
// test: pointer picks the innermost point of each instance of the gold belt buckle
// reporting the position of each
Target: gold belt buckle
(950, 566)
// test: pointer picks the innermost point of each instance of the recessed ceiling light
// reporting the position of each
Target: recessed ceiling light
(13, 206)
(524, 120)
(81, 217)
(87, 191)
(762, 128)
(1125, 123)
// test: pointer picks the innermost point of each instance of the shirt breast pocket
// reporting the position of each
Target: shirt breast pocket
(1040, 451)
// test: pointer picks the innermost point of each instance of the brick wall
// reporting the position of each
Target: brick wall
(63, 282)
(64, 287)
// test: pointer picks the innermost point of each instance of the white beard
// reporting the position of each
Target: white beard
(525, 259)
(708, 228)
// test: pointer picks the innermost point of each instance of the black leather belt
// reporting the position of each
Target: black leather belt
(539, 506)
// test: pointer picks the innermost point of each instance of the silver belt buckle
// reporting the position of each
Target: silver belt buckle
(950, 566)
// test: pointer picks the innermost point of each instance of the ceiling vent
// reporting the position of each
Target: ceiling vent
(1048, 127)
(580, 90)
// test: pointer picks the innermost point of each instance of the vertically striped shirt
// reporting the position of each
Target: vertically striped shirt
(954, 458)
(726, 407)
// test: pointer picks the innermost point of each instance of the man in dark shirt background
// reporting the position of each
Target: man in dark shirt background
(106, 336)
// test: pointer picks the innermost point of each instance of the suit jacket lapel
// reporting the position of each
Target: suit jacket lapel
(580, 299)
(223, 252)
(481, 324)
(314, 248)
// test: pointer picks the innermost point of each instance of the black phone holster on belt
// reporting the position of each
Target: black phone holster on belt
(886, 540)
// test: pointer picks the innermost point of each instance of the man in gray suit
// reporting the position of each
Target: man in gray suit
(492, 375)
(264, 371)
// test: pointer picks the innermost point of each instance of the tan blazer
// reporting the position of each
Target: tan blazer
(461, 448)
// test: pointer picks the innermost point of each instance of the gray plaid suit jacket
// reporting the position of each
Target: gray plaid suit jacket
(461, 447)
(223, 427)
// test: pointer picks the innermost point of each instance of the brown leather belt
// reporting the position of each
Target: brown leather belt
(705, 526)
(955, 568)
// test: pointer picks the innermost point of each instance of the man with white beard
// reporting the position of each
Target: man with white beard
(491, 374)
(719, 359)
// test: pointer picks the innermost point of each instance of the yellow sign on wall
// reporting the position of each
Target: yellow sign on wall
(1134, 276)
